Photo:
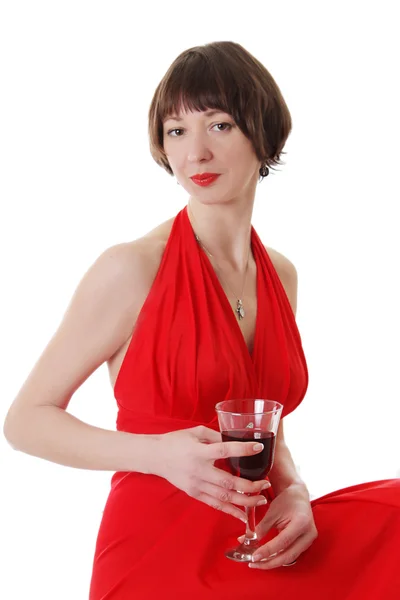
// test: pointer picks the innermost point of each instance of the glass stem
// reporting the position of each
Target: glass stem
(251, 535)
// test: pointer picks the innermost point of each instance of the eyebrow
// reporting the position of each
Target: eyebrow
(208, 113)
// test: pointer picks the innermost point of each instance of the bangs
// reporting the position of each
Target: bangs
(199, 85)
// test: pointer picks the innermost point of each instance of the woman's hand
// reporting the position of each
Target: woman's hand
(187, 461)
(290, 512)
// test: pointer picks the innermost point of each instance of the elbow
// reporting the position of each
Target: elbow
(9, 433)
(12, 431)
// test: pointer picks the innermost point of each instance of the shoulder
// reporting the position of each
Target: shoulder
(287, 274)
(133, 263)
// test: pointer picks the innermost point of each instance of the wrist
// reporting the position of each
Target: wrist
(281, 481)
(155, 454)
(149, 453)
(300, 488)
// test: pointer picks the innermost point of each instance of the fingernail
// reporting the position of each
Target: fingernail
(262, 501)
(266, 485)
(258, 447)
(241, 539)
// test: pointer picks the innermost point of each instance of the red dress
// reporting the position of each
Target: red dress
(187, 353)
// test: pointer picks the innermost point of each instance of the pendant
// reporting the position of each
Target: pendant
(240, 310)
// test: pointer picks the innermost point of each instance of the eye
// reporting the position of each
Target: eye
(228, 125)
(171, 130)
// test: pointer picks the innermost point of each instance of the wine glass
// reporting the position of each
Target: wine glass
(245, 420)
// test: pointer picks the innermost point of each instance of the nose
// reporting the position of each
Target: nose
(198, 149)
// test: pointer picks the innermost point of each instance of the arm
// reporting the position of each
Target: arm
(98, 321)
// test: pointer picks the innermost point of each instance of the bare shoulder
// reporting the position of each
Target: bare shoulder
(119, 282)
(287, 273)
(132, 266)
(282, 264)
(140, 258)
(139, 261)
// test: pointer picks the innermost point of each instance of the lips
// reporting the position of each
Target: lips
(205, 178)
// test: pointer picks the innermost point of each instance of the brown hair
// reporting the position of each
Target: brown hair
(225, 76)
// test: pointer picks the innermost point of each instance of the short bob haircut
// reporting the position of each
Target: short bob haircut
(225, 76)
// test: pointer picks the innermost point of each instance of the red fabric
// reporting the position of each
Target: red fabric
(187, 353)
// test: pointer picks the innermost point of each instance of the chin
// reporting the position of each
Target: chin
(211, 199)
(208, 197)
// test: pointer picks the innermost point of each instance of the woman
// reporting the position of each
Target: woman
(196, 311)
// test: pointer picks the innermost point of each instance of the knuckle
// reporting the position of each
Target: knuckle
(307, 545)
(248, 487)
(304, 521)
(216, 505)
(226, 483)
(307, 526)
(303, 526)
(225, 497)
(223, 451)
(193, 491)
(285, 542)
(267, 551)
(291, 557)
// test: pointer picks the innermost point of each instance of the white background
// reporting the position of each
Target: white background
(77, 80)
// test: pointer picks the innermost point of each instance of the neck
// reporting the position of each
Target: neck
(224, 231)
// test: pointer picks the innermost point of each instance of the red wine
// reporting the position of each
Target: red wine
(257, 466)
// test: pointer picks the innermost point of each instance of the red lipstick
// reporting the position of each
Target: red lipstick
(204, 179)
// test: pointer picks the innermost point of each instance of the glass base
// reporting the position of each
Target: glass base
(243, 553)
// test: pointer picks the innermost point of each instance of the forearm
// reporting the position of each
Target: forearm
(283, 473)
(53, 434)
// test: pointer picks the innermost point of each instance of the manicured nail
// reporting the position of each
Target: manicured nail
(258, 447)
(262, 501)
(266, 485)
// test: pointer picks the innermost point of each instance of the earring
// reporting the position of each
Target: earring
(264, 170)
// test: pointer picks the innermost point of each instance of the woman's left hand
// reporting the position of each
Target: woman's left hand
(290, 512)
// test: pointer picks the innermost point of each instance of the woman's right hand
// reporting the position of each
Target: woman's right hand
(186, 459)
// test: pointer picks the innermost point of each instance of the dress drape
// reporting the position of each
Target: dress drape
(187, 353)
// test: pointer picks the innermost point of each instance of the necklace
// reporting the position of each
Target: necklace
(239, 310)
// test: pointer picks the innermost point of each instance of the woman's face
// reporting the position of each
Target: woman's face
(211, 142)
